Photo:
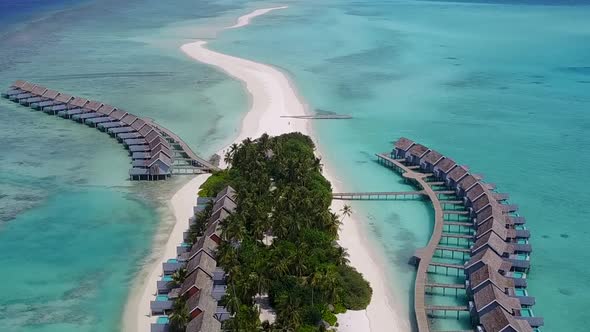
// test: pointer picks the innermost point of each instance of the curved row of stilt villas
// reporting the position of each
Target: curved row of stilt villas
(156, 153)
(205, 284)
(491, 239)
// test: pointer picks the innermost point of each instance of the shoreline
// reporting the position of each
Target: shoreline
(272, 95)
(137, 315)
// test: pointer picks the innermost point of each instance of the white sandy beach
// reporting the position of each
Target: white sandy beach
(272, 96)
(137, 311)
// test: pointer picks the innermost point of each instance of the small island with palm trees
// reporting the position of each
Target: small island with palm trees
(273, 243)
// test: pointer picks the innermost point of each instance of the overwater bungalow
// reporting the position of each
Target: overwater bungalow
(76, 103)
(486, 276)
(430, 160)
(401, 147)
(37, 92)
(416, 152)
(15, 88)
(25, 91)
(443, 168)
(497, 227)
(465, 184)
(49, 98)
(455, 176)
(487, 257)
(161, 148)
(473, 194)
(62, 101)
(129, 119)
(493, 242)
(490, 297)
(204, 323)
(158, 154)
(498, 320)
(478, 205)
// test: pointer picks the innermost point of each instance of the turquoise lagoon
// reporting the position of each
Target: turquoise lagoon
(502, 87)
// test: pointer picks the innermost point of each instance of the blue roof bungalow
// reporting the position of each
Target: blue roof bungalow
(401, 147)
(442, 169)
(430, 160)
(416, 152)
(455, 176)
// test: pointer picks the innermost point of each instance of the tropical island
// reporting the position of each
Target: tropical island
(280, 242)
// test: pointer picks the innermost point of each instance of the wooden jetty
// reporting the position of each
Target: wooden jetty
(488, 232)
(156, 152)
(319, 117)
(379, 196)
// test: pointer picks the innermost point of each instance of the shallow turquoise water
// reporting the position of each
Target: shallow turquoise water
(74, 231)
(503, 88)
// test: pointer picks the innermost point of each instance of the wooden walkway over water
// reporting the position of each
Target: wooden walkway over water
(319, 117)
(379, 196)
(155, 151)
(427, 252)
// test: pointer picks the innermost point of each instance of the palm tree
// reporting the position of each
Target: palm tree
(346, 211)
(180, 316)
(178, 278)
(230, 153)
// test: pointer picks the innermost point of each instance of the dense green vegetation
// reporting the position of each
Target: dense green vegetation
(281, 240)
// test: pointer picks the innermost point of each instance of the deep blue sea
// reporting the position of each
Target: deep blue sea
(502, 86)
